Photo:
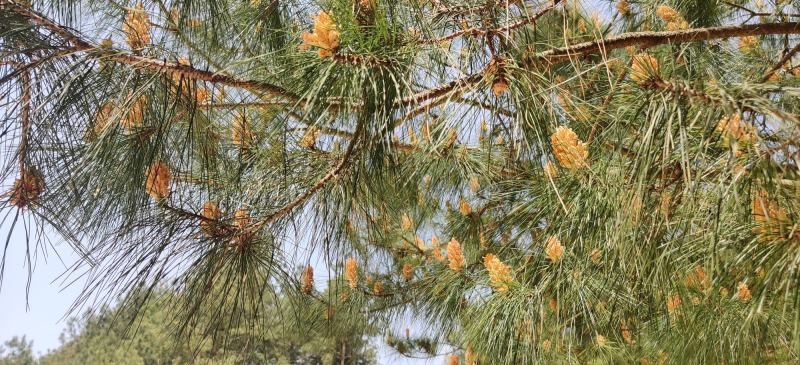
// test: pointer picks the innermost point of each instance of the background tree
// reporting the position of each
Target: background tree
(17, 351)
(559, 181)
(143, 335)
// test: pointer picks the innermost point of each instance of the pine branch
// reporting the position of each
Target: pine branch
(652, 39)
(25, 98)
(786, 57)
(477, 31)
(441, 90)
(314, 188)
(78, 44)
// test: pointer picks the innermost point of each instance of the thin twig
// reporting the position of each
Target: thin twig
(26, 119)
(786, 57)
(314, 188)
(477, 31)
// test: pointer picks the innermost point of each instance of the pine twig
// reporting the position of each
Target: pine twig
(786, 57)
(651, 39)
(314, 188)
(78, 44)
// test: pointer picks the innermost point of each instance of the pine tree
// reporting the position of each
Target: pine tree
(612, 181)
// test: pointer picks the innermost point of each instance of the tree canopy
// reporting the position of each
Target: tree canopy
(524, 181)
(143, 335)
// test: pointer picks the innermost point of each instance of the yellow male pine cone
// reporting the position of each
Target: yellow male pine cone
(455, 257)
(210, 227)
(554, 249)
(351, 272)
(325, 36)
(674, 20)
(307, 280)
(242, 131)
(743, 292)
(137, 27)
(134, 117)
(568, 149)
(499, 273)
(159, 177)
(310, 137)
(408, 271)
(643, 68)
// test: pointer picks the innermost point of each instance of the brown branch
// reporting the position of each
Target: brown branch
(786, 57)
(477, 31)
(651, 39)
(754, 13)
(26, 119)
(78, 44)
(240, 105)
(441, 90)
(314, 188)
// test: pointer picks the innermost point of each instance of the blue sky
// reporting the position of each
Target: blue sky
(41, 317)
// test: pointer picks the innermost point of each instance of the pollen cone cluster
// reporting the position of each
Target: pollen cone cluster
(643, 68)
(351, 272)
(674, 20)
(408, 271)
(499, 273)
(554, 249)
(405, 222)
(455, 258)
(134, 116)
(743, 292)
(464, 208)
(210, 226)
(623, 7)
(27, 189)
(748, 44)
(241, 131)
(325, 36)
(310, 137)
(159, 177)
(435, 250)
(568, 149)
(102, 119)
(242, 218)
(768, 215)
(137, 27)
(307, 280)
(732, 127)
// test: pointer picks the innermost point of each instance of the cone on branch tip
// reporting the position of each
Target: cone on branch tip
(351, 272)
(137, 27)
(325, 36)
(158, 180)
(26, 189)
(553, 249)
(307, 280)
(672, 18)
(570, 152)
(499, 273)
(211, 225)
(455, 258)
(408, 271)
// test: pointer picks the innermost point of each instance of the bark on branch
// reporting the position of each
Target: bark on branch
(651, 39)
(78, 44)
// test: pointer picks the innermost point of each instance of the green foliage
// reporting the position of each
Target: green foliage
(126, 335)
(17, 351)
(634, 171)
